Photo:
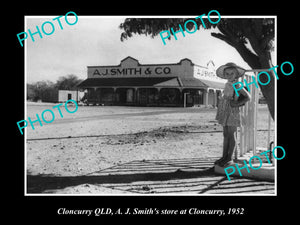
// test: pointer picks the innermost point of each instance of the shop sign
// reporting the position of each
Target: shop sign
(132, 71)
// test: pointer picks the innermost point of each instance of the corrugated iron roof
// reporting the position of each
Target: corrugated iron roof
(149, 81)
(119, 82)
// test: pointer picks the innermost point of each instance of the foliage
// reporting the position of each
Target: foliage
(153, 27)
(47, 91)
(68, 82)
(237, 32)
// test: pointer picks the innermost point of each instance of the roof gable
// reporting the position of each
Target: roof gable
(129, 61)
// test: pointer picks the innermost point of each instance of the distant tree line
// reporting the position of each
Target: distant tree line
(47, 91)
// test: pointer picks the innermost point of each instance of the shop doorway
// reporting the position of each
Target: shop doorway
(147, 96)
(170, 96)
(124, 96)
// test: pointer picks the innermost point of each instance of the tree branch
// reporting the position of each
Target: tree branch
(246, 54)
(223, 38)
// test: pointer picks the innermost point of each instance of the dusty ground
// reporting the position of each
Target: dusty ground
(106, 150)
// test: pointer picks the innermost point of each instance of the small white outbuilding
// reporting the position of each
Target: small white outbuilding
(65, 95)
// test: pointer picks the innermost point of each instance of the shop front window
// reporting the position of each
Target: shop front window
(170, 96)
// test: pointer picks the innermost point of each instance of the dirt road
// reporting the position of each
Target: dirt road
(76, 154)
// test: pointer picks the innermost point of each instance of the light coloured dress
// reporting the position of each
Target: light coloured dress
(227, 115)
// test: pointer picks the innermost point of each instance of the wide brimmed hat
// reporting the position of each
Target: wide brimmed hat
(220, 70)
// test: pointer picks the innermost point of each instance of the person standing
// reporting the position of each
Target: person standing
(228, 113)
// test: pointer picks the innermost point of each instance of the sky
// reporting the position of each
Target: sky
(95, 41)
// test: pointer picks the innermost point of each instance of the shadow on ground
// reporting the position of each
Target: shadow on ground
(176, 176)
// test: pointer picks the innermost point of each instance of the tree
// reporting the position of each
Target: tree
(68, 82)
(42, 90)
(237, 32)
(47, 91)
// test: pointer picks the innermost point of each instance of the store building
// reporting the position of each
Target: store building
(132, 83)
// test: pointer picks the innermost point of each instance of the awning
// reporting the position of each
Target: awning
(124, 82)
(214, 84)
(192, 83)
(150, 82)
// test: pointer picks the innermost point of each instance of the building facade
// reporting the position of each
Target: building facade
(132, 83)
(65, 95)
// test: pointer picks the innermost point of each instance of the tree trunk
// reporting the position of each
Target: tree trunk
(268, 90)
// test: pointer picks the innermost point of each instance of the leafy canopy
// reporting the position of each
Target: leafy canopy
(234, 31)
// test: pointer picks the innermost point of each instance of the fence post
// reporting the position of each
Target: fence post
(248, 130)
